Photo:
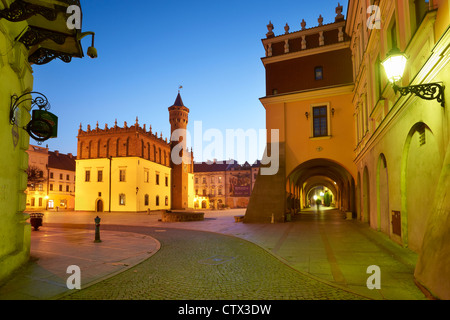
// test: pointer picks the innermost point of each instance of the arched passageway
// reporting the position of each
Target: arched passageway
(323, 179)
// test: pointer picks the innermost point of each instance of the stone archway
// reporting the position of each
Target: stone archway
(421, 160)
(329, 174)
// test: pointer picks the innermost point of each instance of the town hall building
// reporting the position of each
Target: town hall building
(129, 168)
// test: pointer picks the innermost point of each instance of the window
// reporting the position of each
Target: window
(167, 181)
(318, 73)
(219, 192)
(67, 188)
(167, 201)
(320, 121)
(157, 200)
(60, 187)
(87, 176)
(33, 202)
(377, 79)
(157, 179)
(100, 176)
(146, 198)
(196, 180)
(60, 176)
(196, 192)
(40, 187)
(51, 175)
(121, 199)
(219, 179)
(40, 202)
(67, 177)
(204, 180)
(51, 187)
(122, 175)
(212, 179)
(146, 176)
(204, 192)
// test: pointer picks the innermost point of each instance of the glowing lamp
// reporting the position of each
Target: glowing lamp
(394, 66)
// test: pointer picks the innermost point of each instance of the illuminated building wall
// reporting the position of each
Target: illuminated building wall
(402, 142)
(221, 184)
(309, 91)
(22, 44)
(51, 185)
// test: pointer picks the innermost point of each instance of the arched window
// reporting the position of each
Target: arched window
(146, 200)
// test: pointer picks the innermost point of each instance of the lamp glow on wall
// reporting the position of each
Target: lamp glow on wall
(395, 64)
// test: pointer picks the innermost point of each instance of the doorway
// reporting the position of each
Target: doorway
(99, 206)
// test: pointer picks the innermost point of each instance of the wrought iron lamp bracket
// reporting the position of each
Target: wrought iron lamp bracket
(40, 101)
(427, 91)
(20, 11)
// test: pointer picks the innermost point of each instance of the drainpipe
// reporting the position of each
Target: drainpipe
(110, 162)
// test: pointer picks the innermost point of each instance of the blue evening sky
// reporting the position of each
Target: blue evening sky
(148, 48)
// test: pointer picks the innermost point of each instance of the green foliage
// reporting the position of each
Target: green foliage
(327, 199)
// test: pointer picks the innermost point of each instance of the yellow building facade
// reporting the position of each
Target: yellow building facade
(122, 185)
(23, 44)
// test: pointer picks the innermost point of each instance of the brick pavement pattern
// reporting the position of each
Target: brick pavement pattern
(195, 265)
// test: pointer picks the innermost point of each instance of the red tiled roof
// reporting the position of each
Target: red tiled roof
(61, 161)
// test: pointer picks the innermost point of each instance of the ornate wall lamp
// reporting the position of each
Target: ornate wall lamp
(43, 124)
(395, 64)
(307, 115)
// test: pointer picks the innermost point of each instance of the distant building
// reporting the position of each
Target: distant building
(51, 180)
(61, 183)
(37, 185)
(220, 184)
(129, 168)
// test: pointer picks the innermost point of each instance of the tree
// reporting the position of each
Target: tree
(327, 198)
(35, 176)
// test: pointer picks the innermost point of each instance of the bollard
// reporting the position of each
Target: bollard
(97, 230)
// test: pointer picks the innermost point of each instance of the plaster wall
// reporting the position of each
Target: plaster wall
(15, 78)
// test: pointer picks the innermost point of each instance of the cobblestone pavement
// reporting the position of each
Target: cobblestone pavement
(195, 265)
